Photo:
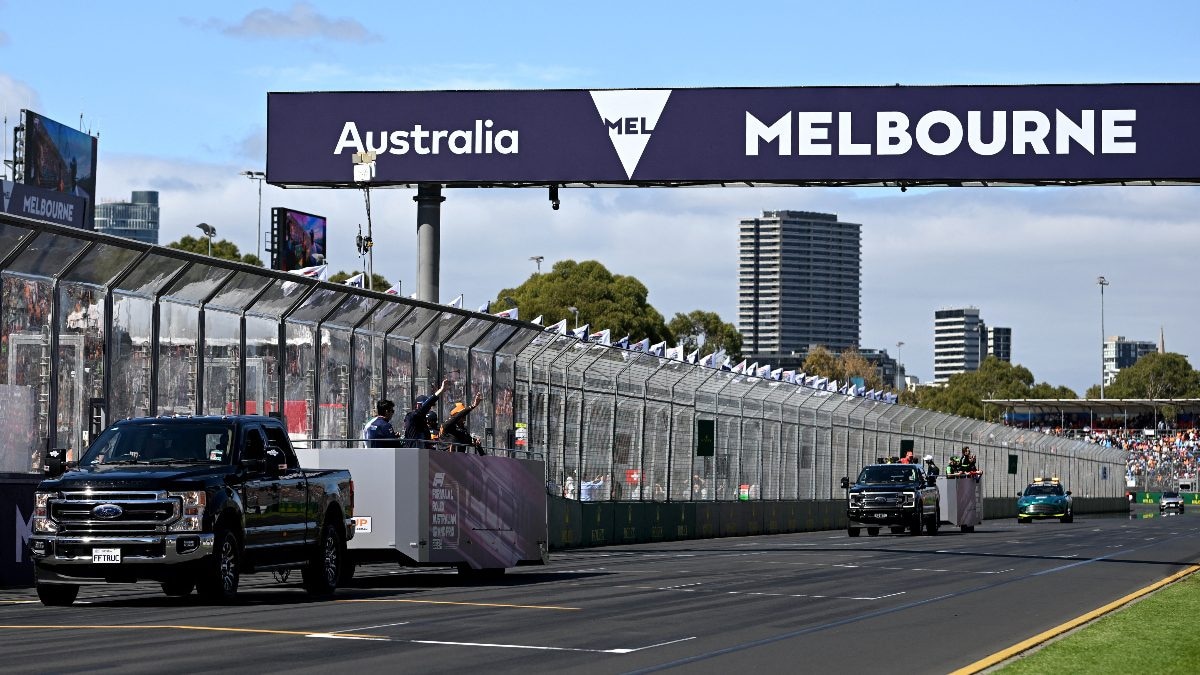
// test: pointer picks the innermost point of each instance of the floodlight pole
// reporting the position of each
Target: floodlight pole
(1102, 282)
(429, 224)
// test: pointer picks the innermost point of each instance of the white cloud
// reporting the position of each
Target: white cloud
(15, 95)
(1027, 258)
(301, 20)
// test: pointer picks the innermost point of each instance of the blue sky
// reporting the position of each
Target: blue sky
(177, 92)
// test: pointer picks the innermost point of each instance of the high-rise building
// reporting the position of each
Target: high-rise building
(956, 343)
(999, 343)
(961, 341)
(799, 282)
(135, 219)
(1120, 353)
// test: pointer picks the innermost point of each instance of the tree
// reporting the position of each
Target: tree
(854, 364)
(378, 282)
(222, 248)
(823, 363)
(1156, 376)
(964, 393)
(706, 329)
(604, 300)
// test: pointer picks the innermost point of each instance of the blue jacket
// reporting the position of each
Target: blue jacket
(380, 433)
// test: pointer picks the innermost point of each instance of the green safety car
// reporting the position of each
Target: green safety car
(1044, 499)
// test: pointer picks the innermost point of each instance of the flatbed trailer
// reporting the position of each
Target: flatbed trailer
(432, 508)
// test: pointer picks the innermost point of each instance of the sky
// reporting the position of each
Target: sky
(177, 93)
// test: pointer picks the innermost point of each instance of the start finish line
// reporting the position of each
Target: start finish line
(952, 135)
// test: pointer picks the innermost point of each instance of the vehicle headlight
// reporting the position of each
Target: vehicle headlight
(910, 498)
(190, 510)
(41, 522)
(856, 499)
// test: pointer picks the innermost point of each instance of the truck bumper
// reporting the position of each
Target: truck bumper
(69, 560)
(869, 517)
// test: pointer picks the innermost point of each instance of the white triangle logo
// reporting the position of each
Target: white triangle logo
(630, 116)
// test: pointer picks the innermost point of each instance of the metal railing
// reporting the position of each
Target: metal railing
(138, 330)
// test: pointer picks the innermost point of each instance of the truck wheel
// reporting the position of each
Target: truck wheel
(915, 527)
(219, 582)
(322, 572)
(852, 531)
(57, 595)
(177, 588)
(931, 525)
(872, 531)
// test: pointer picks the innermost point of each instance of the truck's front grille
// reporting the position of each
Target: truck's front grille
(134, 512)
(882, 500)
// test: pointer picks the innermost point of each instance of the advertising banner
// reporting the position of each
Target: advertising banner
(299, 239)
(33, 202)
(61, 159)
(791, 135)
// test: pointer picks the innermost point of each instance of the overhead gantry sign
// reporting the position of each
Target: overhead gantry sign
(950, 135)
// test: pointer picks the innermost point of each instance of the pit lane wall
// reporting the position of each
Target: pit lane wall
(575, 524)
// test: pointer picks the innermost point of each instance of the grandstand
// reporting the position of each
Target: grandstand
(1161, 436)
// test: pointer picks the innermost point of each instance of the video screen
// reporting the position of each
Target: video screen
(62, 159)
(300, 239)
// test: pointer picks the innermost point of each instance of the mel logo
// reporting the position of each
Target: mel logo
(630, 116)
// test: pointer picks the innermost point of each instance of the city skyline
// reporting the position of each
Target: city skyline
(1030, 255)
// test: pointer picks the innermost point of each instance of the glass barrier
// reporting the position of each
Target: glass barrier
(95, 328)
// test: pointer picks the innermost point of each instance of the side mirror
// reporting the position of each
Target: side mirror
(54, 462)
(845, 483)
(1068, 493)
(1018, 493)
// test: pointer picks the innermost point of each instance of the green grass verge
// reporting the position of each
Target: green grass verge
(1156, 635)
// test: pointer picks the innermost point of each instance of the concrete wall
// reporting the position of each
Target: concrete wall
(574, 524)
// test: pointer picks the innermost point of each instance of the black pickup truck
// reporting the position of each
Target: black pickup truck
(897, 495)
(189, 502)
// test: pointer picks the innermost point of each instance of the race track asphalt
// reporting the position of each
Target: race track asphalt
(815, 602)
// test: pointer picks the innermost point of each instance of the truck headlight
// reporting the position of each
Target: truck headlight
(191, 510)
(41, 513)
(856, 499)
(910, 498)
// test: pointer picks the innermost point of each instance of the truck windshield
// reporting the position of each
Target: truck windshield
(892, 473)
(1037, 490)
(160, 444)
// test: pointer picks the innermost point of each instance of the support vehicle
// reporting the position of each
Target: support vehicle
(1043, 499)
(898, 496)
(190, 503)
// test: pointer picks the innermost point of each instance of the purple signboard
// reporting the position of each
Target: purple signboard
(35, 202)
(797, 135)
(488, 512)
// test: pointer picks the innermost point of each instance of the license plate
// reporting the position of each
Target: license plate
(106, 556)
(881, 515)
